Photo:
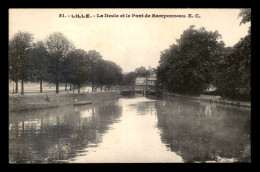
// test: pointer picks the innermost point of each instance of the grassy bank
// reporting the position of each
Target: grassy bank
(212, 99)
(37, 101)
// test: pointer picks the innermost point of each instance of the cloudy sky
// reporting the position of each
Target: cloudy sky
(131, 41)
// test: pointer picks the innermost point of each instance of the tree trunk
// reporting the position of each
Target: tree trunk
(78, 88)
(57, 87)
(100, 88)
(16, 87)
(57, 80)
(92, 87)
(13, 87)
(109, 87)
(22, 89)
(70, 87)
(92, 110)
(73, 88)
(66, 86)
(40, 86)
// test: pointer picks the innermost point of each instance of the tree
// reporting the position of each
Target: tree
(129, 78)
(96, 67)
(234, 71)
(58, 46)
(79, 67)
(246, 17)
(66, 73)
(19, 47)
(103, 72)
(94, 56)
(190, 65)
(37, 63)
(141, 71)
(112, 73)
(234, 78)
(243, 50)
(13, 68)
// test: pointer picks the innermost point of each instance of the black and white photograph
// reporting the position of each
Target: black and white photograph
(129, 85)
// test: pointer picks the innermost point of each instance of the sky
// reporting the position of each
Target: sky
(131, 41)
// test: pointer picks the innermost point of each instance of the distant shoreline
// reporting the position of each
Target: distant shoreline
(211, 99)
(27, 102)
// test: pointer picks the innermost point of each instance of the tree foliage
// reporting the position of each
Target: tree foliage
(200, 59)
(234, 71)
(112, 73)
(246, 17)
(57, 61)
(141, 71)
(189, 65)
(58, 46)
(103, 72)
(96, 67)
(76, 67)
(19, 47)
(129, 78)
(37, 62)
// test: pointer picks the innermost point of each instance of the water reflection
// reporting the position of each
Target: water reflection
(204, 132)
(135, 138)
(56, 135)
(132, 130)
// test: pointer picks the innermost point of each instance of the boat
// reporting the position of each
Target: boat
(82, 103)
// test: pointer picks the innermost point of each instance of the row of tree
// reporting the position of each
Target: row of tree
(57, 61)
(200, 60)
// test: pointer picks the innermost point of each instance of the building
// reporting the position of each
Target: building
(144, 84)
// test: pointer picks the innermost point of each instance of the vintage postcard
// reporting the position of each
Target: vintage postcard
(129, 85)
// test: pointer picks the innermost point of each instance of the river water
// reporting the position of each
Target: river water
(132, 130)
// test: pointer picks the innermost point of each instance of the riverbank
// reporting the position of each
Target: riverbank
(211, 99)
(38, 101)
